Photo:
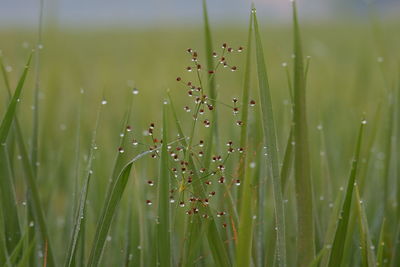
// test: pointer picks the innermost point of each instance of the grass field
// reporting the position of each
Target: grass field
(287, 156)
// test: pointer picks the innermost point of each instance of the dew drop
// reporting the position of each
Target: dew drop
(31, 224)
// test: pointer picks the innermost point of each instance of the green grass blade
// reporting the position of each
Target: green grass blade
(318, 258)
(3, 248)
(109, 209)
(81, 210)
(8, 200)
(287, 163)
(213, 133)
(163, 227)
(381, 246)
(244, 243)
(29, 175)
(270, 138)
(28, 254)
(15, 255)
(367, 252)
(245, 101)
(34, 193)
(108, 212)
(9, 116)
(341, 230)
(304, 194)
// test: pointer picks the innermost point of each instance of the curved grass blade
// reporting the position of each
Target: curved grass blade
(341, 230)
(303, 185)
(270, 138)
(109, 208)
(163, 227)
(108, 212)
(12, 230)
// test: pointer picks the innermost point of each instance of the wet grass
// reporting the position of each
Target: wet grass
(126, 162)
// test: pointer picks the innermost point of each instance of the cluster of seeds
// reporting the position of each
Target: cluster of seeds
(187, 165)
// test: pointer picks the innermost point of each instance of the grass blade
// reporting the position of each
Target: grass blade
(108, 212)
(341, 230)
(244, 243)
(303, 185)
(81, 210)
(381, 245)
(245, 101)
(109, 208)
(8, 200)
(270, 138)
(163, 227)
(9, 116)
(367, 253)
(210, 66)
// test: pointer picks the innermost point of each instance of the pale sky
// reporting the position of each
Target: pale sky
(147, 12)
